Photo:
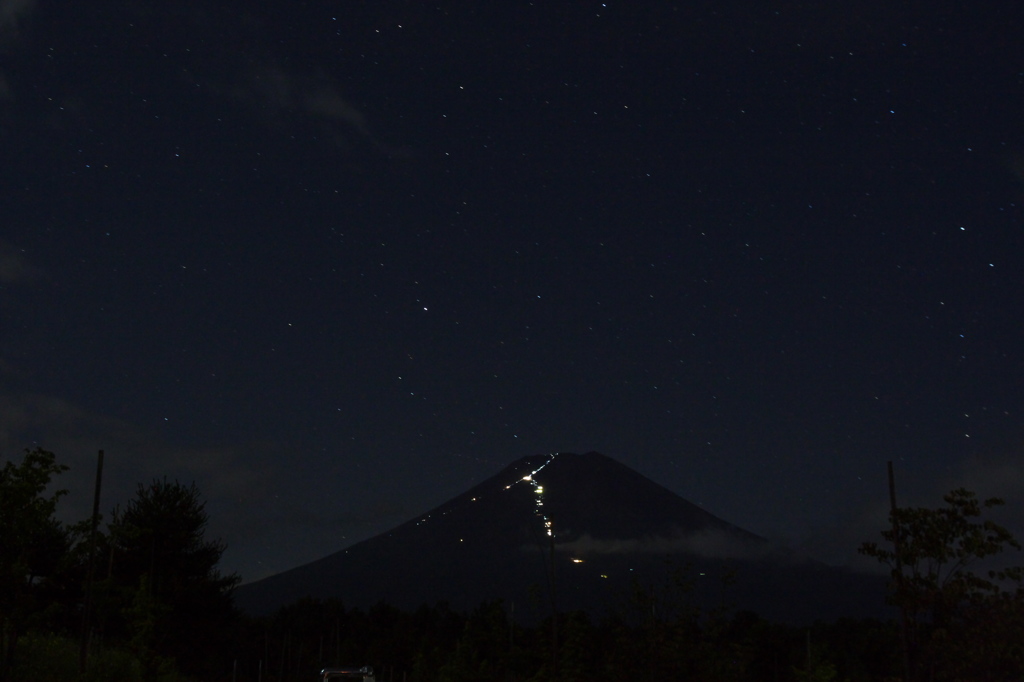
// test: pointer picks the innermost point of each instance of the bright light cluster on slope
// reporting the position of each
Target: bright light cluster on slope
(538, 490)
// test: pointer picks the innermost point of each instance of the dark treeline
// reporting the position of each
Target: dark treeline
(436, 644)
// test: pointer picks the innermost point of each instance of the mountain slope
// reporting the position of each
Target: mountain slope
(609, 528)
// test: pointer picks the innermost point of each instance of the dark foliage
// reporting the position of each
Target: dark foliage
(32, 543)
(659, 633)
(163, 591)
(960, 624)
(436, 644)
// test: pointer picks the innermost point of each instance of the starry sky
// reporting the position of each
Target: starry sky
(337, 262)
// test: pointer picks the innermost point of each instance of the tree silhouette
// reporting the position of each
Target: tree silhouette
(945, 602)
(32, 541)
(158, 546)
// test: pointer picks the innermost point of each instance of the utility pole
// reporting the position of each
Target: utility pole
(904, 625)
(83, 654)
(554, 607)
(511, 638)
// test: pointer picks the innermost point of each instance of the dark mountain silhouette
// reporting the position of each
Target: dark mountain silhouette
(610, 529)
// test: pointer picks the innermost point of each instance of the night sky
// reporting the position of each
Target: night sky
(336, 262)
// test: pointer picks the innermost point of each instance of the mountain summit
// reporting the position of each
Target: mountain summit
(575, 530)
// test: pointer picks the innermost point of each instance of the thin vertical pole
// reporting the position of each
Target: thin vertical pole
(83, 654)
(897, 546)
(554, 608)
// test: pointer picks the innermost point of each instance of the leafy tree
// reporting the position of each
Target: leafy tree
(170, 599)
(931, 556)
(32, 541)
(143, 617)
(482, 652)
(666, 631)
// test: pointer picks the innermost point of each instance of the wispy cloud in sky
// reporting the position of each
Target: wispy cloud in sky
(709, 544)
(15, 267)
(284, 94)
(11, 14)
